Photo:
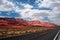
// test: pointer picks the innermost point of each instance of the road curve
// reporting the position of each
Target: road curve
(46, 35)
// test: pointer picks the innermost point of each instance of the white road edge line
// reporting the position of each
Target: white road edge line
(56, 36)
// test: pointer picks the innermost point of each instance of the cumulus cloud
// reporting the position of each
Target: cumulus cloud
(34, 14)
(1, 2)
(6, 5)
(44, 3)
(26, 6)
(55, 5)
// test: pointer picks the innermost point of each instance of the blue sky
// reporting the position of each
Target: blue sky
(42, 10)
(12, 14)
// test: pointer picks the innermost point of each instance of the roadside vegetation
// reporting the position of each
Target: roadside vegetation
(21, 31)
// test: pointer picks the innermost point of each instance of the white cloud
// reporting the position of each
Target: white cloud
(44, 3)
(55, 5)
(27, 6)
(55, 19)
(6, 5)
(34, 14)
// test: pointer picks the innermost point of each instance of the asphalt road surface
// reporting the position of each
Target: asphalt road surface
(58, 36)
(46, 35)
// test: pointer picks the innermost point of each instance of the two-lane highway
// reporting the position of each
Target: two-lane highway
(46, 35)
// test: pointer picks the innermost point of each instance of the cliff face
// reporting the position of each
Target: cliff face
(41, 24)
(12, 23)
(17, 23)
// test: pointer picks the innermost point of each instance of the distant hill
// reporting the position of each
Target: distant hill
(41, 24)
(18, 23)
(12, 23)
